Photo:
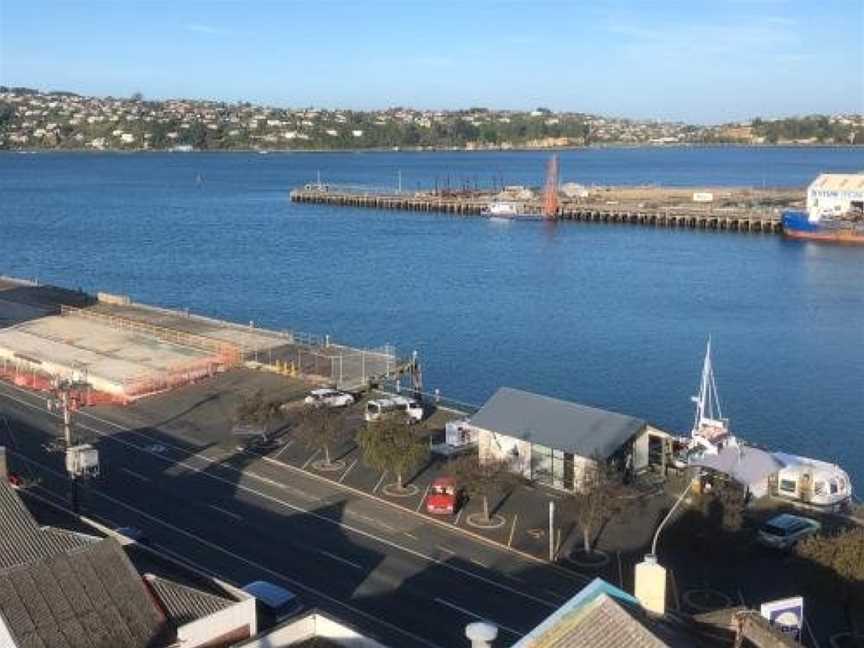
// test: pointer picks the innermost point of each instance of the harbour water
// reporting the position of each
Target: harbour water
(613, 316)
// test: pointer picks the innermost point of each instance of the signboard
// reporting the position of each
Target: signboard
(787, 615)
(703, 196)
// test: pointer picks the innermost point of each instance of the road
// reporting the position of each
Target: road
(241, 517)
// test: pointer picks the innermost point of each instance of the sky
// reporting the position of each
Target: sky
(695, 61)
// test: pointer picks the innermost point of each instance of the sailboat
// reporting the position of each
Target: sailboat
(780, 474)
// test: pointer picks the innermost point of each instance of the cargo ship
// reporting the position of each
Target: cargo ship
(835, 210)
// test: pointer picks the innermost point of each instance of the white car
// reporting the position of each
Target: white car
(328, 398)
(412, 410)
(784, 531)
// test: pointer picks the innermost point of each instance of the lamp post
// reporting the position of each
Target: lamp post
(650, 577)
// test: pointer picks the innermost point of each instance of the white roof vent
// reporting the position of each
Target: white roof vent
(481, 634)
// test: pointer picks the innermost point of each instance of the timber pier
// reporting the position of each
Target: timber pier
(732, 214)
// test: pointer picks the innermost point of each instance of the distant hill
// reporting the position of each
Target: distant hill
(31, 119)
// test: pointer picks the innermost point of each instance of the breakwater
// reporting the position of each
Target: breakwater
(740, 210)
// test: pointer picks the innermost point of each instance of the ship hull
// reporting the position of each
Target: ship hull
(796, 225)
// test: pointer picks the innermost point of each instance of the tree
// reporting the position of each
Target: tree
(842, 556)
(482, 479)
(594, 501)
(320, 428)
(390, 444)
(254, 410)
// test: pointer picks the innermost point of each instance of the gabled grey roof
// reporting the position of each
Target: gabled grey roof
(90, 597)
(558, 424)
(23, 541)
(185, 604)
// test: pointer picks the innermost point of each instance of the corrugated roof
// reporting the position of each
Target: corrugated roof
(90, 597)
(185, 604)
(22, 541)
(558, 424)
(839, 182)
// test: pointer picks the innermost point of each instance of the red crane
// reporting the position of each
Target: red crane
(550, 194)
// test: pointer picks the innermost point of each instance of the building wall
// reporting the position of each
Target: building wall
(309, 627)
(238, 621)
(500, 447)
(824, 199)
(6, 639)
(641, 446)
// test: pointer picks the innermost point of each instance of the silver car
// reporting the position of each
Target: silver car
(784, 531)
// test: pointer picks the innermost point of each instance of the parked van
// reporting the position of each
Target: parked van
(375, 409)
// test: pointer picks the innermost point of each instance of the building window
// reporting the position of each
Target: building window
(788, 485)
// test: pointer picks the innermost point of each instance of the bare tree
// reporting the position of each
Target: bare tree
(594, 500)
(483, 479)
(253, 409)
(390, 444)
(321, 428)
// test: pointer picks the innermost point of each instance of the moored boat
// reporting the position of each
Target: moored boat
(835, 210)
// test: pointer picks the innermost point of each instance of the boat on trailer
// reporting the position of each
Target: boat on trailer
(711, 444)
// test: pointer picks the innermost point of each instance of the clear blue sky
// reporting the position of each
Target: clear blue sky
(698, 61)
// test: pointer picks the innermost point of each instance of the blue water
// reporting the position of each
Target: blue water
(613, 316)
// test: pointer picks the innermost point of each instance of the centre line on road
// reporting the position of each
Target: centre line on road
(340, 559)
(309, 460)
(265, 496)
(512, 530)
(135, 474)
(478, 617)
(347, 470)
(225, 512)
(423, 499)
(378, 485)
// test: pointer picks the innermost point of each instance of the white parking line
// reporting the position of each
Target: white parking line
(347, 470)
(225, 512)
(135, 474)
(478, 617)
(512, 529)
(458, 516)
(378, 485)
(340, 559)
(446, 549)
(423, 499)
(241, 487)
(287, 445)
(309, 460)
(479, 562)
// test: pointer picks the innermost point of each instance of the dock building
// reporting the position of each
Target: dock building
(551, 441)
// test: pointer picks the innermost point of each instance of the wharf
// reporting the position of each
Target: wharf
(740, 210)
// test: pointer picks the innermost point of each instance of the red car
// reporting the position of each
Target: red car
(15, 481)
(443, 498)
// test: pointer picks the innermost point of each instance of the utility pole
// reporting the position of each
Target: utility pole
(82, 460)
(551, 530)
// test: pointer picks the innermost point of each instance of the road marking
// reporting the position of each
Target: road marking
(512, 530)
(135, 474)
(294, 583)
(371, 521)
(340, 559)
(480, 563)
(446, 549)
(309, 460)
(378, 485)
(458, 516)
(239, 486)
(478, 617)
(347, 470)
(287, 445)
(555, 594)
(225, 512)
(423, 499)
(410, 535)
